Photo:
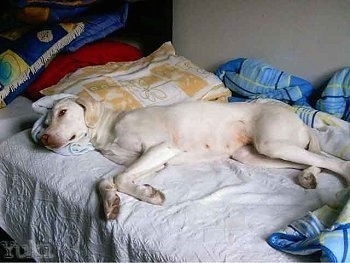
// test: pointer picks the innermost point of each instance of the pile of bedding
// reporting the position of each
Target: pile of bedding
(33, 32)
(252, 79)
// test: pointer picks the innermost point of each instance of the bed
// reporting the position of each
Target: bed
(217, 211)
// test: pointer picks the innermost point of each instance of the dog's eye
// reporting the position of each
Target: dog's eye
(61, 113)
(72, 138)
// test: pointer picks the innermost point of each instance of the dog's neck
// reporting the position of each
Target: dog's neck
(102, 134)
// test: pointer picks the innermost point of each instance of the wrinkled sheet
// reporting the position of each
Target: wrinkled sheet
(214, 211)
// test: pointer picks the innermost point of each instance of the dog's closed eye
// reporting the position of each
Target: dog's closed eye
(62, 112)
(72, 138)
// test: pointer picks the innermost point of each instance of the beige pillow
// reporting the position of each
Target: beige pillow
(162, 78)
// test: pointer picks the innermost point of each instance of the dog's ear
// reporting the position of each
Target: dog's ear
(92, 110)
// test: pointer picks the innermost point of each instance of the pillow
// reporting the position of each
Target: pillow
(97, 53)
(63, 3)
(19, 12)
(45, 14)
(22, 56)
(335, 98)
(252, 79)
(24, 52)
(99, 26)
(96, 25)
(162, 78)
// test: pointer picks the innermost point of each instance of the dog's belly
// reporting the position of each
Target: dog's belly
(216, 140)
(207, 149)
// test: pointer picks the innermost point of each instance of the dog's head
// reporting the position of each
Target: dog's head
(69, 121)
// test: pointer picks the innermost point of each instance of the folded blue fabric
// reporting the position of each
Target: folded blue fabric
(251, 79)
(99, 26)
(53, 3)
(335, 98)
(327, 230)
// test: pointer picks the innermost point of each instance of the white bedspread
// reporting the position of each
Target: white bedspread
(217, 211)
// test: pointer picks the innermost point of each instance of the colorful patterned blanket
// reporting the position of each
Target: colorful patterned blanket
(31, 38)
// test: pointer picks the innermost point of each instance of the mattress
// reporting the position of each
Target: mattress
(215, 211)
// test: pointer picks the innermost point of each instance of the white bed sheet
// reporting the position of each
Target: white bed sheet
(17, 116)
(215, 211)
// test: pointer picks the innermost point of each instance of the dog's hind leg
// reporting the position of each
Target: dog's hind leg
(249, 155)
(293, 153)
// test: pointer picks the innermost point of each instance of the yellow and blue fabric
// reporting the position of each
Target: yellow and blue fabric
(335, 98)
(325, 230)
(251, 79)
(26, 48)
(24, 52)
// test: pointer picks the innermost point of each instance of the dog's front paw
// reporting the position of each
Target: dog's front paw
(109, 198)
(151, 194)
(111, 206)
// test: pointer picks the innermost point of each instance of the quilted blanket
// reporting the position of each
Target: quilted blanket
(214, 212)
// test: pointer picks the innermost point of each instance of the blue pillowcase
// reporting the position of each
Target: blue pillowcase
(252, 79)
(99, 26)
(335, 98)
(53, 3)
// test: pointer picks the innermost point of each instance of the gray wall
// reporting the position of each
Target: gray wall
(308, 38)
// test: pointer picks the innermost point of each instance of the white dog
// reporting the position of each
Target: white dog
(147, 139)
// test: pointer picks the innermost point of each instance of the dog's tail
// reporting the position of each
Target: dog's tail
(314, 144)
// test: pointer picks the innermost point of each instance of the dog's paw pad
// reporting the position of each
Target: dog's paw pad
(307, 180)
(153, 195)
